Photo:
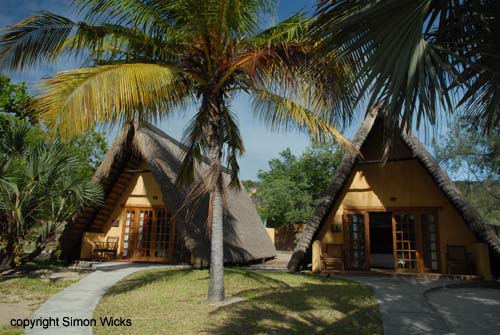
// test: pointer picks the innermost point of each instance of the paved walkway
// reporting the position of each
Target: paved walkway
(468, 310)
(403, 305)
(79, 300)
(277, 264)
(420, 306)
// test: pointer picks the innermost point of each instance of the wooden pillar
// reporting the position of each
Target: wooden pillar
(316, 257)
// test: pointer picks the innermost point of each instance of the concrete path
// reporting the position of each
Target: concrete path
(277, 264)
(404, 308)
(469, 310)
(79, 300)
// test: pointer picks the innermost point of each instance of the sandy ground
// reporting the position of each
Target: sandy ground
(21, 306)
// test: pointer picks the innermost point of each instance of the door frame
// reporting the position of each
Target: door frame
(135, 223)
(417, 211)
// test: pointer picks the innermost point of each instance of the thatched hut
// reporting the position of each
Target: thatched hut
(146, 216)
(397, 212)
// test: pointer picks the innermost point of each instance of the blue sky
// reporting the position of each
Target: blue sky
(261, 144)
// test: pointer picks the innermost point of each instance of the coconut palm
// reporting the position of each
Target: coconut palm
(150, 58)
(417, 56)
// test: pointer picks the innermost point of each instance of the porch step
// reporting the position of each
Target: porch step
(388, 273)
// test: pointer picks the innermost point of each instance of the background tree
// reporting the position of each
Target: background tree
(14, 99)
(473, 159)
(42, 184)
(289, 191)
(150, 58)
(418, 57)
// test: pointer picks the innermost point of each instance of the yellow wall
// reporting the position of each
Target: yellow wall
(408, 184)
(271, 233)
(143, 191)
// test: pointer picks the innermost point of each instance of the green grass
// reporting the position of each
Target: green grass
(174, 302)
(34, 289)
(8, 330)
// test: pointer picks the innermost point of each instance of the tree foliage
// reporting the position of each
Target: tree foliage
(417, 57)
(43, 183)
(148, 59)
(14, 99)
(41, 187)
(288, 192)
(473, 158)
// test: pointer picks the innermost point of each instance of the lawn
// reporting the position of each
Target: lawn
(27, 288)
(173, 302)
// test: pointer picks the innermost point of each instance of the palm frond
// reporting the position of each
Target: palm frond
(234, 146)
(284, 113)
(415, 56)
(228, 18)
(77, 100)
(147, 16)
(34, 40)
(43, 38)
(291, 29)
(195, 138)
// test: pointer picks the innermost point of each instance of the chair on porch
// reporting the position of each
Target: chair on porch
(458, 260)
(332, 257)
(108, 248)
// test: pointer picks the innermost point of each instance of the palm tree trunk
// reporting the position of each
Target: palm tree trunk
(216, 284)
(7, 255)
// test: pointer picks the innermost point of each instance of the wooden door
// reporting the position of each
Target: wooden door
(129, 234)
(148, 235)
(407, 239)
(355, 250)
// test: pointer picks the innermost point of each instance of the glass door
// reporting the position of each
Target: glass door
(407, 256)
(129, 233)
(148, 234)
(355, 242)
(163, 234)
(145, 233)
(430, 242)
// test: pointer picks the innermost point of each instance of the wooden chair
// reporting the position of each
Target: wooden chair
(108, 248)
(333, 257)
(458, 260)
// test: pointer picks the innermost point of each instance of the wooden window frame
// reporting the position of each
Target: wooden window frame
(345, 229)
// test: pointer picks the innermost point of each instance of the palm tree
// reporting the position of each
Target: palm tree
(150, 58)
(39, 185)
(417, 56)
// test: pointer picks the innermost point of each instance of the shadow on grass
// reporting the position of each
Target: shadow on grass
(259, 277)
(311, 308)
(140, 279)
(38, 269)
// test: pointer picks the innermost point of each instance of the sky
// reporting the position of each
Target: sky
(260, 142)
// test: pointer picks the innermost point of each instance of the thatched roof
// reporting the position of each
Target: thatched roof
(482, 230)
(245, 238)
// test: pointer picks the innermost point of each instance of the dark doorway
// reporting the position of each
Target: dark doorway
(381, 240)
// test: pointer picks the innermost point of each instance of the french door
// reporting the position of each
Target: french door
(356, 242)
(148, 234)
(407, 242)
(414, 238)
